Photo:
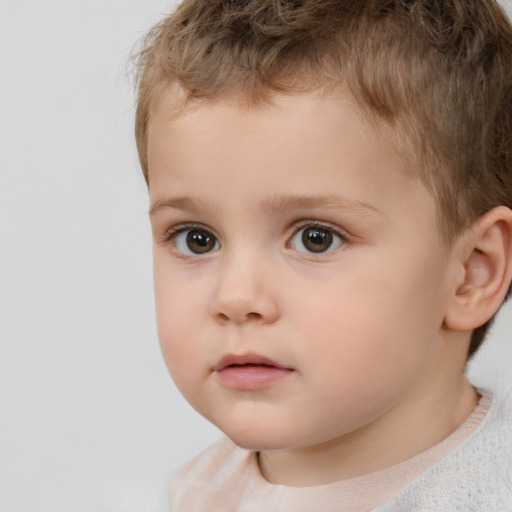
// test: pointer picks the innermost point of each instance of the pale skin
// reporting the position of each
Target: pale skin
(373, 328)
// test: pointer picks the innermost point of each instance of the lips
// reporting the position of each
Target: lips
(249, 371)
(245, 359)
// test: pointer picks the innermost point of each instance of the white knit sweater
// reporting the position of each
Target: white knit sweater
(475, 477)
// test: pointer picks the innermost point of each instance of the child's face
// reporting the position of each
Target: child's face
(290, 236)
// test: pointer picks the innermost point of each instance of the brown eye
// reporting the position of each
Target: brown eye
(316, 239)
(195, 241)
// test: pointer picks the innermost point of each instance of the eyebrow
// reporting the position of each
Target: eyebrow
(281, 203)
(273, 204)
(180, 203)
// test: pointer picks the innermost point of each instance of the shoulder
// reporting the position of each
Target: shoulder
(475, 476)
(217, 474)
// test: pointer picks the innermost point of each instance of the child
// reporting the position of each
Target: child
(331, 190)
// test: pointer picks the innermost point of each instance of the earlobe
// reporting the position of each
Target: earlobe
(486, 264)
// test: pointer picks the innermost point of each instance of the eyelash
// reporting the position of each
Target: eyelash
(308, 224)
(171, 234)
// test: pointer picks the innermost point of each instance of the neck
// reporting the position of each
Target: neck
(417, 423)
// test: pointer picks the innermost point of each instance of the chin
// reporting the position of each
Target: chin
(256, 444)
(264, 438)
(257, 428)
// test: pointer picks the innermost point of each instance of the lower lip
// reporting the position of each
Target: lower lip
(251, 377)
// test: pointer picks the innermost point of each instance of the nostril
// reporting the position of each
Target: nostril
(239, 309)
(254, 316)
(248, 317)
(223, 317)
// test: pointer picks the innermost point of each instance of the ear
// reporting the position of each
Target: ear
(485, 271)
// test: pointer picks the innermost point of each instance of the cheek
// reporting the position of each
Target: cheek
(355, 340)
(372, 323)
(359, 364)
(177, 311)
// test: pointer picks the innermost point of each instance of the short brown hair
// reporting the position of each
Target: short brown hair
(438, 71)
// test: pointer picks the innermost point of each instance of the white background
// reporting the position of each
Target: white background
(89, 419)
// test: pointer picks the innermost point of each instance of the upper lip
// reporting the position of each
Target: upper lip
(241, 359)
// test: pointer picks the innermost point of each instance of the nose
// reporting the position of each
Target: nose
(244, 294)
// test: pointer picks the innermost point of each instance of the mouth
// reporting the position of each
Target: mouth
(249, 371)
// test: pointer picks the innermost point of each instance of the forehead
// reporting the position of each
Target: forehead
(173, 104)
(295, 118)
(300, 144)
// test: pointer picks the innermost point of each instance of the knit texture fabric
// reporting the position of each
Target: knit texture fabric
(475, 477)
